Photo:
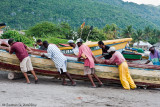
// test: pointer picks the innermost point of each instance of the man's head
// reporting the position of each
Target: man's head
(152, 49)
(79, 42)
(111, 50)
(10, 42)
(39, 42)
(45, 44)
(71, 43)
(100, 44)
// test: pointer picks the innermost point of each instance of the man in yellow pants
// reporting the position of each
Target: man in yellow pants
(118, 59)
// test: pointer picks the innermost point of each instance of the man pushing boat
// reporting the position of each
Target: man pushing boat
(89, 70)
(54, 53)
(75, 47)
(154, 56)
(124, 75)
(105, 49)
(20, 50)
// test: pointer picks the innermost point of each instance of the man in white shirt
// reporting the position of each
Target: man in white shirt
(54, 53)
(75, 47)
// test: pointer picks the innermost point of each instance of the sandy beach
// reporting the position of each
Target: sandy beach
(50, 93)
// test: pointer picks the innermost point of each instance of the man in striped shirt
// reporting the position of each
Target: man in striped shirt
(54, 53)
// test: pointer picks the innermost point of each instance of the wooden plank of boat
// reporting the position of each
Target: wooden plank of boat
(142, 74)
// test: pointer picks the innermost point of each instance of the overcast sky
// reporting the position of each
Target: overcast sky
(153, 2)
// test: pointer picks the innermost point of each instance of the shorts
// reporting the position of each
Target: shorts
(63, 68)
(26, 64)
(88, 70)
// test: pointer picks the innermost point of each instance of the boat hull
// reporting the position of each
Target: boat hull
(44, 66)
(119, 44)
(132, 56)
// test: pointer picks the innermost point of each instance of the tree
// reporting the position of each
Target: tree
(137, 36)
(95, 35)
(66, 30)
(44, 29)
(114, 29)
(17, 37)
(127, 32)
(147, 33)
(108, 32)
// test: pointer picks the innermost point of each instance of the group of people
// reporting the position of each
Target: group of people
(111, 57)
(82, 51)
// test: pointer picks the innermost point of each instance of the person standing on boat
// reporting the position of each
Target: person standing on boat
(89, 70)
(154, 56)
(105, 48)
(40, 44)
(118, 59)
(20, 50)
(54, 53)
(75, 47)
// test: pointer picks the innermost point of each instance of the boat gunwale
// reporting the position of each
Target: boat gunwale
(130, 64)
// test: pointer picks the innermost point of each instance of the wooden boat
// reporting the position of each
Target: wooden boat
(63, 45)
(131, 55)
(119, 44)
(148, 75)
(2, 25)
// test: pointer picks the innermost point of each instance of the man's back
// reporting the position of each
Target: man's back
(55, 54)
(118, 58)
(86, 50)
(20, 49)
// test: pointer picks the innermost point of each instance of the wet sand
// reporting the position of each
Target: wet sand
(50, 93)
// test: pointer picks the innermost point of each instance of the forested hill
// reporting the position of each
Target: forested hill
(22, 14)
(147, 12)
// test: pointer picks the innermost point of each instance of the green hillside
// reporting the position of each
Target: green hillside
(22, 14)
(148, 12)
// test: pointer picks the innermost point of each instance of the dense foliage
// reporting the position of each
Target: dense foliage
(61, 33)
(147, 12)
(17, 37)
(22, 14)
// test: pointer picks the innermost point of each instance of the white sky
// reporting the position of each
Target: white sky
(153, 2)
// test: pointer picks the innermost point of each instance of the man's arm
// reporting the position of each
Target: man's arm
(100, 57)
(111, 60)
(94, 59)
(46, 55)
(11, 50)
(29, 49)
(79, 55)
(148, 61)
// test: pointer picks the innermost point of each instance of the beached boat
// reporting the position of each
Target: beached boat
(148, 75)
(2, 25)
(131, 55)
(119, 44)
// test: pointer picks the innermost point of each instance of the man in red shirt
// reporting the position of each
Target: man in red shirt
(20, 50)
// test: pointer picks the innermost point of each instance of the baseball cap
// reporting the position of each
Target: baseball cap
(79, 40)
(111, 49)
(70, 41)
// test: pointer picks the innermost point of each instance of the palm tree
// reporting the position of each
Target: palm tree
(108, 32)
(138, 36)
(127, 32)
(147, 32)
(114, 29)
